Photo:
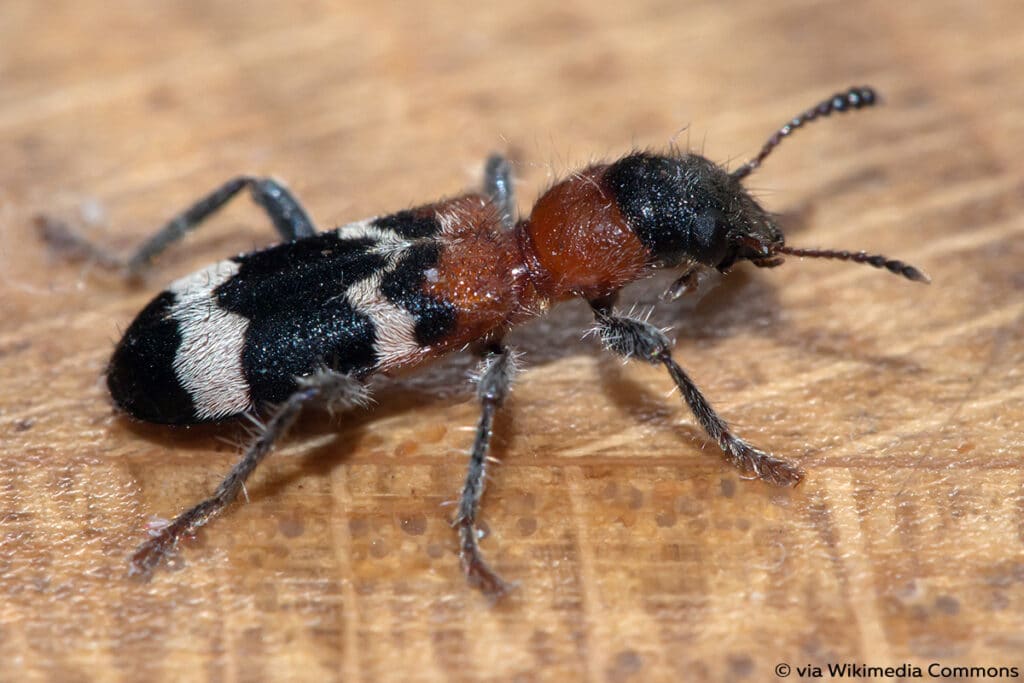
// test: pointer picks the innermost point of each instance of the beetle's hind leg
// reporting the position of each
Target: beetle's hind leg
(632, 338)
(289, 218)
(331, 388)
(494, 381)
(498, 186)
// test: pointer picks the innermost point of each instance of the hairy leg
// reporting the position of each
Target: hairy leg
(497, 370)
(289, 218)
(326, 386)
(498, 186)
(632, 338)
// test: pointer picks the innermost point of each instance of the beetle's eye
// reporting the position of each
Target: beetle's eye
(709, 236)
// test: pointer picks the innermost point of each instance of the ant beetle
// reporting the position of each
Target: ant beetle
(310, 319)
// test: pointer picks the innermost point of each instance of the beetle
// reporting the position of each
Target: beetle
(310, 319)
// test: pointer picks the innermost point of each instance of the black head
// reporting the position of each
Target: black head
(688, 210)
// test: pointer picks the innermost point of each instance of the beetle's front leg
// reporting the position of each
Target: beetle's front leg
(632, 338)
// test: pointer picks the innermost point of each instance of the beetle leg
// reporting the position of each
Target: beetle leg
(289, 218)
(327, 386)
(494, 381)
(633, 338)
(498, 186)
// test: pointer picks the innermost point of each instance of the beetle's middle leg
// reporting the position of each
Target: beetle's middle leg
(497, 370)
(498, 186)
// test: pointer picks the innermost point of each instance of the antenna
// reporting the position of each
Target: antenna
(854, 98)
(877, 260)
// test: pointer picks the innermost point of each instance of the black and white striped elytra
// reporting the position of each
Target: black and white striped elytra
(237, 334)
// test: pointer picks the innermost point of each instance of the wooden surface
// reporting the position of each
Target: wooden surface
(641, 555)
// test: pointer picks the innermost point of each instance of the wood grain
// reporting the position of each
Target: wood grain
(640, 554)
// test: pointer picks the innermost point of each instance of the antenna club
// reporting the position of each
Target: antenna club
(856, 97)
